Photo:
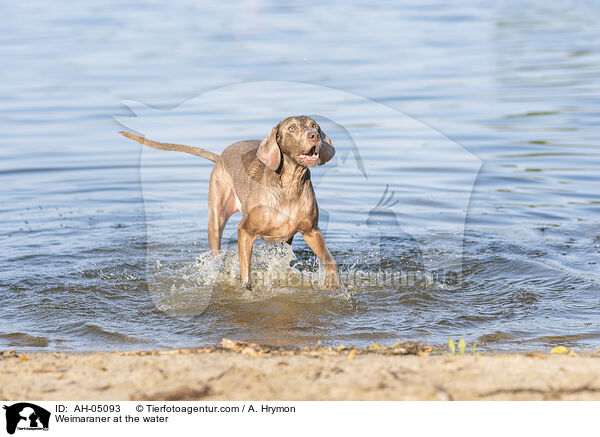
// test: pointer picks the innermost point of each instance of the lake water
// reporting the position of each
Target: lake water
(463, 200)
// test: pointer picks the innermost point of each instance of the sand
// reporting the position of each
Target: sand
(242, 372)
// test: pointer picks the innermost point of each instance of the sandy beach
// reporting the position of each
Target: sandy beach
(239, 371)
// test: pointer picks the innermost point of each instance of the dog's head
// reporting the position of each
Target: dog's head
(301, 139)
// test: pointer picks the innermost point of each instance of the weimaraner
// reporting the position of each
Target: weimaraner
(269, 183)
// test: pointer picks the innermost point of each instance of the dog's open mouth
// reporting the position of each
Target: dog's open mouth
(311, 157)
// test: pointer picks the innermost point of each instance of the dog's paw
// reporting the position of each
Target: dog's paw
(332, 281)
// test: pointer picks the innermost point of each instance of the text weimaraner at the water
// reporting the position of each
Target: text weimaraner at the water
(269, 183)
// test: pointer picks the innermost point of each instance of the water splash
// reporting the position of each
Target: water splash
(187, 290)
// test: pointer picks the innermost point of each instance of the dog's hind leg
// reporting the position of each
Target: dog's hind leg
(222, 204)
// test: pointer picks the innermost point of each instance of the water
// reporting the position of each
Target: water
(481, 120)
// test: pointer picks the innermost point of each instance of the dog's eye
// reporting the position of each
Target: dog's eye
(313, 126)
(291, 128)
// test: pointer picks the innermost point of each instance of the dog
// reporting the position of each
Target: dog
(268, 182)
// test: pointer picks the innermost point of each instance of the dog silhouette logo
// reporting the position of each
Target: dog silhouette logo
(26, 416)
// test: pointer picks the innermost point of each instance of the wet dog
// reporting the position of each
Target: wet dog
(268, 182)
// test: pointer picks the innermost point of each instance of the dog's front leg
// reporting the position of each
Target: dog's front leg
(314, 239)
(245, 242)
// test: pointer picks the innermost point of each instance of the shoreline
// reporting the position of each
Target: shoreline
(242, 371)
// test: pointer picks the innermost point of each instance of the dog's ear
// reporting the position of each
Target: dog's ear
(269, 152)
(327, 150)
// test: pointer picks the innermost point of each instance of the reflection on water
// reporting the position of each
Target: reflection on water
(515, 86)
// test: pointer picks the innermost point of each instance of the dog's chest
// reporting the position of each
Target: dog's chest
(286, 215)
(292, 211)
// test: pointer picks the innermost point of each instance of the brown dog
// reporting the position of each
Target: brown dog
(269, 183)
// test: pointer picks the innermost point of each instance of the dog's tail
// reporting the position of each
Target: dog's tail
(177, 147)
